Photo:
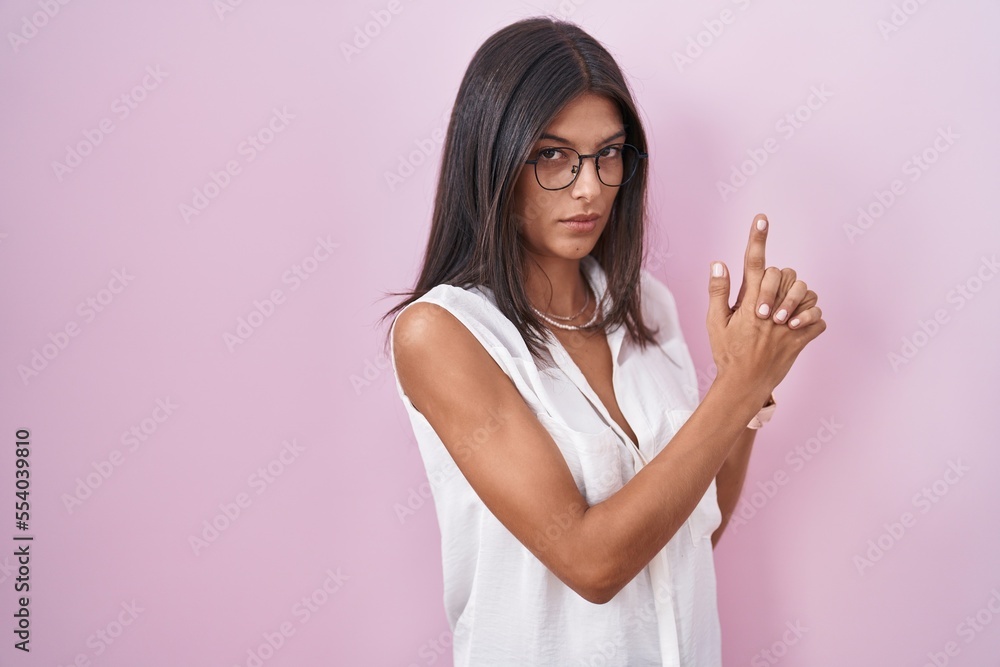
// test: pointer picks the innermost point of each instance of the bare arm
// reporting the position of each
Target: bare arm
(518, 471)
(521, 476)
(782, 291)
(631, 526)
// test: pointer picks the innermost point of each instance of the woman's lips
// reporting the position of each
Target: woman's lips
(581, 226)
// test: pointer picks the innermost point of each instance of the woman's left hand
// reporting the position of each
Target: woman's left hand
(785, 297)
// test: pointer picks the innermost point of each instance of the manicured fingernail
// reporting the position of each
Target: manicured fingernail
(781, 315)
(764, 309)
(762, 224)
(794, 323)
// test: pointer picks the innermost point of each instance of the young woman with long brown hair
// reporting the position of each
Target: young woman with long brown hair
(579, 483)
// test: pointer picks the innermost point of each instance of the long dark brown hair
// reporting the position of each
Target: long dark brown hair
(518, 80)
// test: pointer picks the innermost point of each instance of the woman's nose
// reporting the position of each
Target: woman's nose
(587, 182)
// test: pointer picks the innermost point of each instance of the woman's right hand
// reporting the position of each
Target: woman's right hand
(754, 350)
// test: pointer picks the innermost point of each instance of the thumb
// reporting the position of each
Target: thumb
(718, 295)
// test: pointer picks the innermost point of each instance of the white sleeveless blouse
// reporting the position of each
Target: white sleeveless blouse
(503, 605)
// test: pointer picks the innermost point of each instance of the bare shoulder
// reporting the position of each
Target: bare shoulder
(437, 355)
(427, 332)
(425, 324)
(508, 458)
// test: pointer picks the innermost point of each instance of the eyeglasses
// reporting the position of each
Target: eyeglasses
(557, 167)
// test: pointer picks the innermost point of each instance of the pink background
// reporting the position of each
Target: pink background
(314, 195)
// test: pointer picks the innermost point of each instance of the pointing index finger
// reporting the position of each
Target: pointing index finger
(754, 262)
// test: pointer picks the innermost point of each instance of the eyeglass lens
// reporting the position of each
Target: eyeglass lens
(557, 167)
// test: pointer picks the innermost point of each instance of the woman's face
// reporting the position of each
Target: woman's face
(587, 124)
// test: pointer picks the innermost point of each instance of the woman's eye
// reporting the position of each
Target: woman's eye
(551, 154)
(610, 151)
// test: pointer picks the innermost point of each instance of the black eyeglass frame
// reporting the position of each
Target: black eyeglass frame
(579, 165)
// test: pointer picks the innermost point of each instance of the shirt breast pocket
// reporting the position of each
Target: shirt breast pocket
(595, 459)
(675, 374)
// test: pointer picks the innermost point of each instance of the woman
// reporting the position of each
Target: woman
(544, 372)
